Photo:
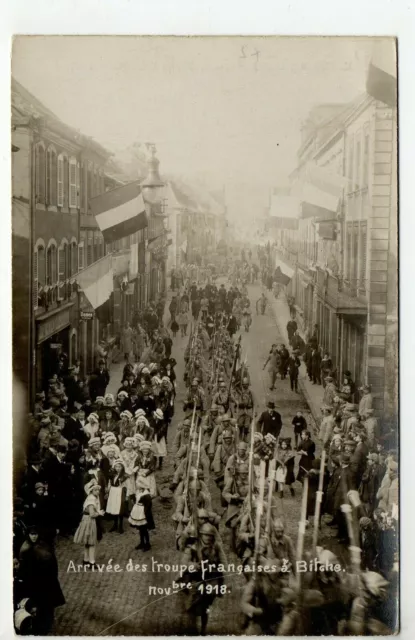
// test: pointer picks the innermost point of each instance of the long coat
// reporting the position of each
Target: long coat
(268, 423)
(39, 572)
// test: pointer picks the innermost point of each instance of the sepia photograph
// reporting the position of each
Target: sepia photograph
(205, 335)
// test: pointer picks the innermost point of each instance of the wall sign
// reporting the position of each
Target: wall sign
(87, 315)
(52, 325)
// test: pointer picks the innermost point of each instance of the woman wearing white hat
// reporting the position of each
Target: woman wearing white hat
(129, 457)
(110, 441)
(117, 495)
(146, 464)
(86, 533)
(159, 442)
(91, 427)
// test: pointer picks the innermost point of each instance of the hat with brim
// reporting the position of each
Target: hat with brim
(393, 466)
(122, 394)
(120, 461)
(145, 445)
(109, 438)
(99, 399)
(271, 405)
(91, 486)
(328, 379)
(93, 441)
(126, 414)
(139, 412)
(93, 417)
(40, 485)
(158, 414)
(129, 440)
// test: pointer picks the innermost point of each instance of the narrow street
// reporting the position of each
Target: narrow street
(124, 605)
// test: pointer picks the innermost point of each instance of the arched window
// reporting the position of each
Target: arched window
(65, 182)
(63, 269)
(51, 270)
(40, 173)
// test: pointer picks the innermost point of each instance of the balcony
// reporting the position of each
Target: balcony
(340, 294)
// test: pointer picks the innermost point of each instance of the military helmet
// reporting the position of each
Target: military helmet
(207, 529)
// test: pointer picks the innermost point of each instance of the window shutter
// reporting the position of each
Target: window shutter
(74, 265)
(80, 256)
(48, 175)
(72, 183)
(78, 185)
(41, 265)
(363, 254)
(53, 178)
(60, 181)
(35, 281)
(61, 262)
(54, 265)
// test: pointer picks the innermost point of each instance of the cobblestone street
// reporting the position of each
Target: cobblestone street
(121, 603)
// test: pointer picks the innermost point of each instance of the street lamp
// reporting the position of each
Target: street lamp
(152, 186)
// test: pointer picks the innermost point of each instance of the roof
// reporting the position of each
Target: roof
(25, 104)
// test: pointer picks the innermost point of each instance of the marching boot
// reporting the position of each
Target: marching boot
(120, 524)
(292, 491)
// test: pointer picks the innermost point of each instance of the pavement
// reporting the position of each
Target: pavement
(120, 602)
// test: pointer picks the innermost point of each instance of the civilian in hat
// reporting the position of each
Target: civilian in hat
(370, 483)
(117, 495)
(107, 462)
(129, 458)
(339, 485)
(141, 513)
(56, 474)
(358, 460)
(73, 430)
(285, 466)
(306, 449)
(146, 464)
(329, 391)
(32, 475)
(299, 423)
(127, 427)
(146, 401)
(87, 533)
(40, 513)
(326, 367)
(273, 361)
(144, 429)
(326, 426)
(316, 365)
(366, 401)
(109, 422)
(158, 423)
(91, 428)
(270, 421)
(109, 440)
(38, 570)
(367, 544)
(294, 364)
(371, 426)
(99, 380)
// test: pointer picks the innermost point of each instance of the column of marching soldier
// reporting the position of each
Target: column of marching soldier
(110, 448)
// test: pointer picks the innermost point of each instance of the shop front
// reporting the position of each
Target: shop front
(53, 338)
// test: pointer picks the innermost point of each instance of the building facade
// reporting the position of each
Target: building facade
(345, 262)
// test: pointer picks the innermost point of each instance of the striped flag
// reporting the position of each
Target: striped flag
(320, 191)
(97, 281)
(120, 212)
(381, 77)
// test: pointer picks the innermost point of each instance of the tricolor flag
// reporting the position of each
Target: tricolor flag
(97, 281)
(120, 212)
(381, 79)
(319, 191)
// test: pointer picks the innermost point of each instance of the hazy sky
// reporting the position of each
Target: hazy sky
(212, 106)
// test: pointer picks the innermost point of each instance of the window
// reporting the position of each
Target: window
(48, 176)
(40, 168)
(96, 247)
(72, 183)
(82, 186)
(365, 180)
(348, 250)
(363, 255)
(350, 162)
(81, 254)
(51, 265)
(35, 283)
(89, 186)
(78, 185)
(89, 251)
(53, 178)
(357, 176)
(355, 254)
(41, 266)
(65, 182)
(74, 257)
(60, 181)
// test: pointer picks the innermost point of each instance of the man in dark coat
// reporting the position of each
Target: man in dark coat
(99, 381)
(316, 366)
(270, 421)
(291, 329)
(358, 461)
(73, 429)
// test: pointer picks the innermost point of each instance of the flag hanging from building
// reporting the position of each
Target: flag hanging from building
(120, 212)
(284, 212)
(319, 190)
(97, 281)
(381, 78)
